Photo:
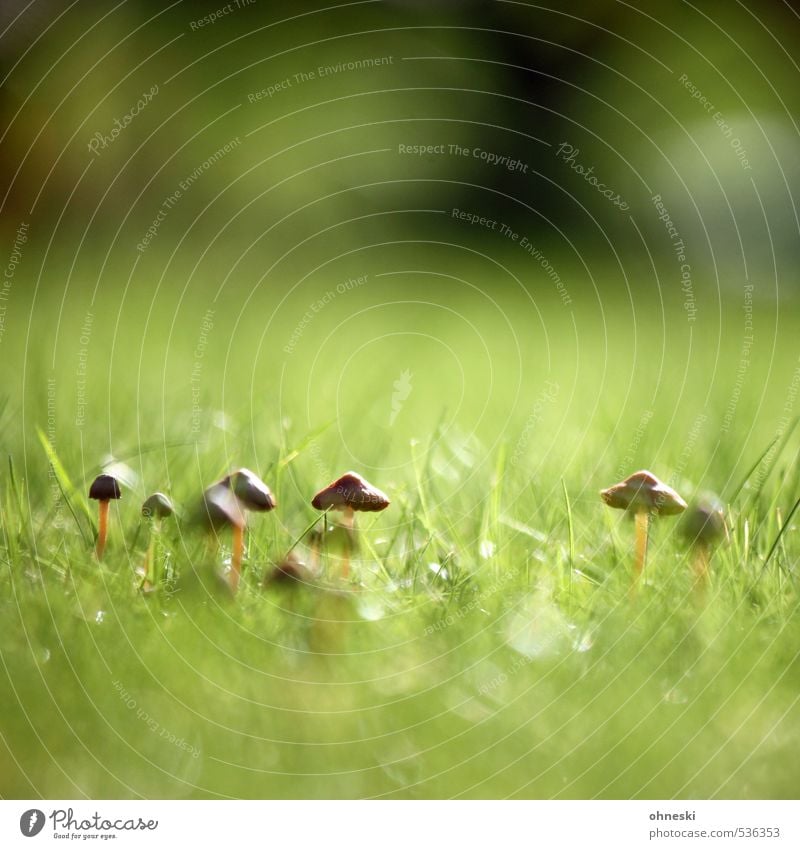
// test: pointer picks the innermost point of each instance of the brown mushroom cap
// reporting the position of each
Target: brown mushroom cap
(291, 570)
(643, 491)
(248, 487)
(157, 506)
(104, 488)
(219, 508)
(704, 522)
(350, 491)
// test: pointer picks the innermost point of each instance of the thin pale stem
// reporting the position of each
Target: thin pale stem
(236, 556)
(102, 528)
(700, 562)
(349, 524)
(150, 573)
(149, 567)
(314, 559)
(642, 527)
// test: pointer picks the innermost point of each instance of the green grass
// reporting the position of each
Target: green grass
(487, 644)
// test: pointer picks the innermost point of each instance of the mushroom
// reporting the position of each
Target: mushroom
(644, 495)
(219, 508)
(248, 487)
(157, 507)
(104, 489)
(290, 571)
(254, 496)
(349, 493)
(154, 509)
(703, 527)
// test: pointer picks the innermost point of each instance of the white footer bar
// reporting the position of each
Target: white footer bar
(403, 825)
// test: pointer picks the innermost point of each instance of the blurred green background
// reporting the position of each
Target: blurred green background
(429, 241)
(240, 161)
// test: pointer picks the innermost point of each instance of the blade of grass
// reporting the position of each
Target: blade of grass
(423, 501)
(492, 531)
(65, 485)
(773, 462)
(291, 454)
(779, 490)
(366, 541)
(571, 542)
(25, 520)
(777, 540)
(750, 471)
(307, 529)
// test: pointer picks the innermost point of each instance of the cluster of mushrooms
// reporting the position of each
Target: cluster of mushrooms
(225, 504)
(644, 496)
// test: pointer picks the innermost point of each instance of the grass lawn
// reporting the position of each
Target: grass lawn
(486, 643)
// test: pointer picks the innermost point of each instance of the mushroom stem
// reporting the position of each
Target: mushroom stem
(150, 576)
(102, 528)
(236, 556)
(642, 525)
(349, 524)
(700, 566)
(148, 580)
(314, 559)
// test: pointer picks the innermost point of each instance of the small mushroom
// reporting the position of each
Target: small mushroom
(350, 493)
(290, 571)
(217, 511)
(104, 489)
(703, 527)
(155, 508)
(221, 509)
(644, 495)
(254, 496)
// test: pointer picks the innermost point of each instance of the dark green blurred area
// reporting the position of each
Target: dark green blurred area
(317, 163)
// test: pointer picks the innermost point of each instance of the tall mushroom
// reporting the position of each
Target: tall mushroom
(104, 489)
(703, 527)
(218, 510)
(254, 496)
(155, 508)
(350, 493)
(644, 495)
